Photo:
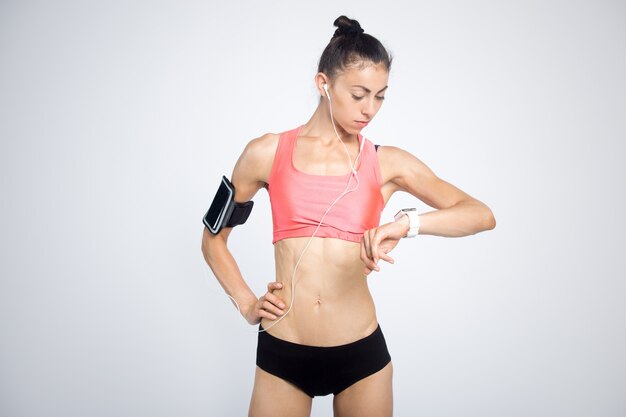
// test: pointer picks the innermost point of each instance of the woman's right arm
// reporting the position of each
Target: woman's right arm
(250, 174)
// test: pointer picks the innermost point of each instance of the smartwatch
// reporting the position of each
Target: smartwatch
(414, 220)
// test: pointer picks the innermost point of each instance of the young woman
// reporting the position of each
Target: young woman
(318, 332)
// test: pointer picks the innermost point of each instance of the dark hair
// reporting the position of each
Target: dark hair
(350, 46)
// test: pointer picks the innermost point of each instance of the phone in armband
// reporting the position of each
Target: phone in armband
(224, 211)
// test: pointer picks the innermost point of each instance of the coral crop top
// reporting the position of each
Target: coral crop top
(299, 200)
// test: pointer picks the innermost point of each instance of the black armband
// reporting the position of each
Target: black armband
(224, 210)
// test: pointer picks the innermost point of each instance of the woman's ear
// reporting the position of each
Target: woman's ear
(321, 80)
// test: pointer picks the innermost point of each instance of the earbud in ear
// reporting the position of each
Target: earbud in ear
(326, 89)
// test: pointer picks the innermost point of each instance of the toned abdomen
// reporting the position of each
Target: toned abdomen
(333, 305)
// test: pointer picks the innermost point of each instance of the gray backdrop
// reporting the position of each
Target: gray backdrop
(118, 119)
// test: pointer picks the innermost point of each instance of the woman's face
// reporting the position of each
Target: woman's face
(357, 95)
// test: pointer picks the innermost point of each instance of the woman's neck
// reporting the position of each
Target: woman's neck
(320, 125)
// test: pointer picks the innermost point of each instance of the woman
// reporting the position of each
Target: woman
(328, 185)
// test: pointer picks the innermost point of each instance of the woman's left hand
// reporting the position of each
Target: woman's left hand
(379, 241)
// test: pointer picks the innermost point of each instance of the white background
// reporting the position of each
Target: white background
(117, 120)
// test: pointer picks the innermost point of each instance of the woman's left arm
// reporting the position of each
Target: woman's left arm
(456, 213)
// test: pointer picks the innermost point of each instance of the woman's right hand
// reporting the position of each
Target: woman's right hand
(269, 306)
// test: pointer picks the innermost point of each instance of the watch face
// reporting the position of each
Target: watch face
(404, 211)
(414, 221)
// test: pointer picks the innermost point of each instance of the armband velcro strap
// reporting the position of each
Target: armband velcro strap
(240, 213)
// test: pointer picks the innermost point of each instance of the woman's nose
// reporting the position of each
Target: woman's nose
(369, 108)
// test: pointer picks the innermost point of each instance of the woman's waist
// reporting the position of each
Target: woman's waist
(325, 290)
(322, 319)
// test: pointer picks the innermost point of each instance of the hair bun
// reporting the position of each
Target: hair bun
(347, 27)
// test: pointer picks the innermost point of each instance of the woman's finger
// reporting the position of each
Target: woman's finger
(364, 256)
(271, 308)
(369, 265)
(386, 258)
(366, 243)
(374, 246)
(381, 234)
(275, 300)
(375, 240)
(266, 314)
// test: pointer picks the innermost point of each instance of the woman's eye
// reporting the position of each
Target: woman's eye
(357, 98)
(380, 98)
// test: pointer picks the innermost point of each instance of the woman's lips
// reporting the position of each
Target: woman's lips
(361, 123)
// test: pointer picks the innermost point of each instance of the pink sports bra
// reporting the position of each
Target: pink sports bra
(299, 200)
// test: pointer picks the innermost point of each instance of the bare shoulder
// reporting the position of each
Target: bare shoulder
(396, 163)
(253, 167)
(261, 149)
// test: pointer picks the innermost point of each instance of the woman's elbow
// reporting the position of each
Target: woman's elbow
(488, 219)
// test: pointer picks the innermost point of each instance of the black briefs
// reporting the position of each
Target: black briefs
(322, 370)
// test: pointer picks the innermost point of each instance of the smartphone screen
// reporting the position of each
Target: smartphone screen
(223, 198)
